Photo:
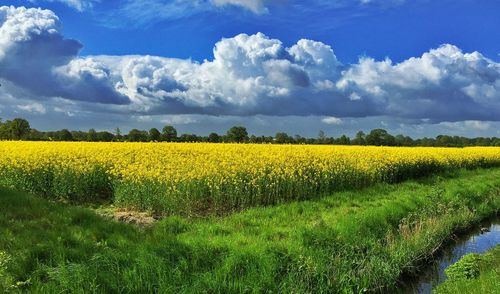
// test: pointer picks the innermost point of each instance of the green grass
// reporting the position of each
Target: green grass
(474, 273)
(347, 242)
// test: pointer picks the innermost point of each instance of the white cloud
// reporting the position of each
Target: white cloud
(332, 120)
(355, 96)
(33, 108)
(474, 125)
(35, 55)
(179, 120)
(248, 75)
(477, 125)
(442, 84)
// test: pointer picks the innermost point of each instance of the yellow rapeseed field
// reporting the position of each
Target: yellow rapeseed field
(194, 176)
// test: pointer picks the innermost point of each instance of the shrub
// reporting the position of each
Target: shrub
(466, 268)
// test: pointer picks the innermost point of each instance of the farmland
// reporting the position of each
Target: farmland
(233, 218)
(182, 178)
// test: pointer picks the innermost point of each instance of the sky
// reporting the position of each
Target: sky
(419, 67)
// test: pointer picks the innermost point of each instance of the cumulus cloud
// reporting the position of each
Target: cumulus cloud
(442, 84)
(35, 55)
(248, 75)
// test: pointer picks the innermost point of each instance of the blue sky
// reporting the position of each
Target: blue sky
(361, 64)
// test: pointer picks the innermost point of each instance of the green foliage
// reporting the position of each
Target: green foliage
(16, 129)
(380, 137)
(136, 135)
(92, 135)
(169, 134)
(466, 268)
(5, 259)
(473, 274)
(237, 134)
(214, 138)
(154, 134)
(283, 138)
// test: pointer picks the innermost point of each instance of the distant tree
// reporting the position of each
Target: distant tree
(189, 138)
(261, 139)
(214, 138)
(329, 141)
(36, 135)
(169, 134)
(481, 141)
(4, 130)
(359, 139)
(311, 141)
(429, 142)
(19, 128)
(299, 139)
(63, 135)
(380, 137)
(402, 140)
(237, 134)
(105, 137)
(79, 135)
(444, 140)
(254, 139)
(118, 134)
(92, 135)
(283, 138)
(154, 134)
(321, 137)
(343, 140)
(136, 135)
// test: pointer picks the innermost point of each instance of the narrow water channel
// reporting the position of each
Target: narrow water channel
(473, 242)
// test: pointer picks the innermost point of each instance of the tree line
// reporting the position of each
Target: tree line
(20, 129)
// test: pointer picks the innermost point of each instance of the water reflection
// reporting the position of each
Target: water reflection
(475, 242)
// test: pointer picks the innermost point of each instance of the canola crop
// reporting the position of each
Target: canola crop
(203, 178)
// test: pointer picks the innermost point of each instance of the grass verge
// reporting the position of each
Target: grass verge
(473, 273)
(352, 241)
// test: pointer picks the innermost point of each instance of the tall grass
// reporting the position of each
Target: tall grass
(93, 185)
